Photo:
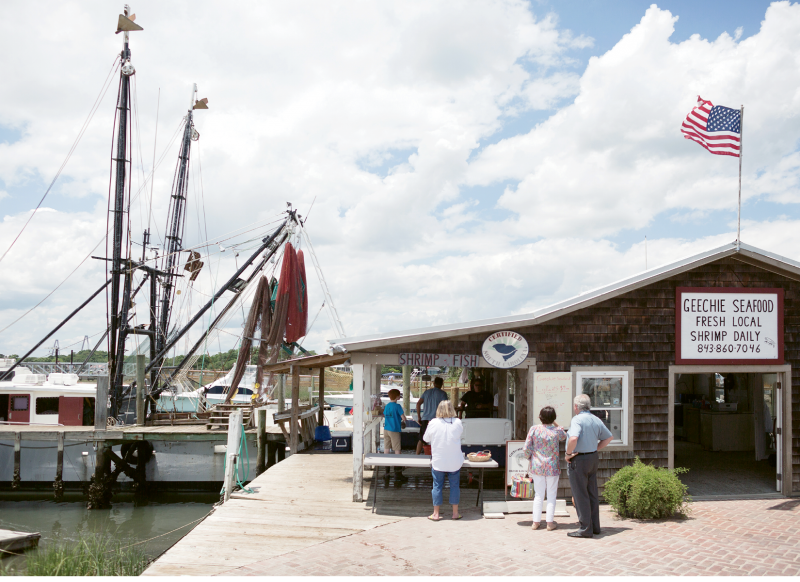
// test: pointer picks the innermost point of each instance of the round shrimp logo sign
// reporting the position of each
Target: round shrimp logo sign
(505, 349)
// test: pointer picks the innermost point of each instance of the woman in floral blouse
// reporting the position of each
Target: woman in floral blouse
(541, 447)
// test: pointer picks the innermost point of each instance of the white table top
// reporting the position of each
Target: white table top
(421, 461)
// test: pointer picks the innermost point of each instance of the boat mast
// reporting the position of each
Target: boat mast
(120, 268)
(176, 221)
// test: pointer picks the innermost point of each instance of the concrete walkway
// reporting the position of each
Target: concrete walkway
(759, 537)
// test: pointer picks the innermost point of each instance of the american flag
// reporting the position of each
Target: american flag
(716, 128)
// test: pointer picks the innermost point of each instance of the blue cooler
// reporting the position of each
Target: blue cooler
(341, 442)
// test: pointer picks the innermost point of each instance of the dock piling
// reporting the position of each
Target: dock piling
(58, 484)
(140, 384)
(321, 396)
(101, 403)
(232, 451)
(262, 442)
(294, 422)
(17, 450)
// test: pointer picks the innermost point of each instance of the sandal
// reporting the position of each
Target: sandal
(434, 518)
(457, 518)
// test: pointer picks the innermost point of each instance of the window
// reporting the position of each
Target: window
(19, 403)
(47, 405)
(611, 401)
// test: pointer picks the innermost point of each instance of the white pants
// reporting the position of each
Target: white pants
(540, 484)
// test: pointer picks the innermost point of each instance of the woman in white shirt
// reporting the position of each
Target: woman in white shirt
(444, 435)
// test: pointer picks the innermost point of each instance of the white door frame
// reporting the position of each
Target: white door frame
(783, 412)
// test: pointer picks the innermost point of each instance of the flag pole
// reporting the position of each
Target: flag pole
(739, 215)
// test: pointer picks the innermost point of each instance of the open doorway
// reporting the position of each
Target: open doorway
(725, 432)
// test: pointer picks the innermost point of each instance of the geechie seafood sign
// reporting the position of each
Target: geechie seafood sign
(728, 326)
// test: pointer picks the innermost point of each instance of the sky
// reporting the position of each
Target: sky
(460, 160)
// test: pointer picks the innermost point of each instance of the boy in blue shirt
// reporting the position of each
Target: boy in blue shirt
(392, 428)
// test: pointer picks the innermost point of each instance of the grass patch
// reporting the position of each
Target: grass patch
(91, 555)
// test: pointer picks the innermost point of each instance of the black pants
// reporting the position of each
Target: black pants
(583, 481)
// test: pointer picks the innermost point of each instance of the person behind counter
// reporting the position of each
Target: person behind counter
(476, 403)
(429, 402)
(392, 430)
(541, 447)
(444, 435)
(585, 431)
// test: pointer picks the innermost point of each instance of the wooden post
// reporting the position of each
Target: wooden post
(140, 367)
(294, 424)
(17, 464)
(101, 403)
(407, 389)
(58, 484)
(281, 393)
(262, 441)
(377, 392)
(321, 401)
(360, 372)
(232, 451)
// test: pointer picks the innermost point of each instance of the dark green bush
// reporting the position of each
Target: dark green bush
(645, 492)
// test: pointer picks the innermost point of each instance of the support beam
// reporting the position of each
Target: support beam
(262, 441)
(360, 371)
(321, 397)
(407, 390)
(294, 424)
(281, 393)
(501, 383)
(140, 383)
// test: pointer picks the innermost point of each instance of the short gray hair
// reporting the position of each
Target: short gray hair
(583, 402)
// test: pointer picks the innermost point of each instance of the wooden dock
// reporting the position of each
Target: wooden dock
(298, 503)
(17, 541)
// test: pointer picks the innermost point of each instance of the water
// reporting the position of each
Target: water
(128, 520)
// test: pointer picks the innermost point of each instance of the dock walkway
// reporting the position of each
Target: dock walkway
(300, 502)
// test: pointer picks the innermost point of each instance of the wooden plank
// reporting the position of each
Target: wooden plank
(298, 503)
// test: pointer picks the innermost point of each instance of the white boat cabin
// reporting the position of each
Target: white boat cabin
(57, 399)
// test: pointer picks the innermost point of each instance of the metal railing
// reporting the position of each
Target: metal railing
(91, 370)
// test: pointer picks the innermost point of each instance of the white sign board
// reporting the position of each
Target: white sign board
(553, 389)
(516, 463)
(730, 325)
(505, 349)
(440, 360)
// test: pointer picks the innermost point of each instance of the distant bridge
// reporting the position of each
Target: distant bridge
(91, 370)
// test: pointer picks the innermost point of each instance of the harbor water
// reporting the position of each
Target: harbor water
(156, 523)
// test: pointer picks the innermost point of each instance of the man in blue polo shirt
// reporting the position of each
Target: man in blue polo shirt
(587, 435)
(429, 402)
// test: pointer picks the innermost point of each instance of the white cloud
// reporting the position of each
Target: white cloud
(376, 112)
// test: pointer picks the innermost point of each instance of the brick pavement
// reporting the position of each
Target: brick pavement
(755, 537)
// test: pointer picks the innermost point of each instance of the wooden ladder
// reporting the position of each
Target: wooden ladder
(218, 415)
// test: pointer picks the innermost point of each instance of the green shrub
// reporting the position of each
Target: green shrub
(91, 555)
(645, 492)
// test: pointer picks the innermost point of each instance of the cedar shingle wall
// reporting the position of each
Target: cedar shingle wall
(638, 329)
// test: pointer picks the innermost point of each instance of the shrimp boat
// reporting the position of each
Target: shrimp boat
(141, 292)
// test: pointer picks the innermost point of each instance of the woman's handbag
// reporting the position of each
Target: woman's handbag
(480, 456)
(522, 487)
